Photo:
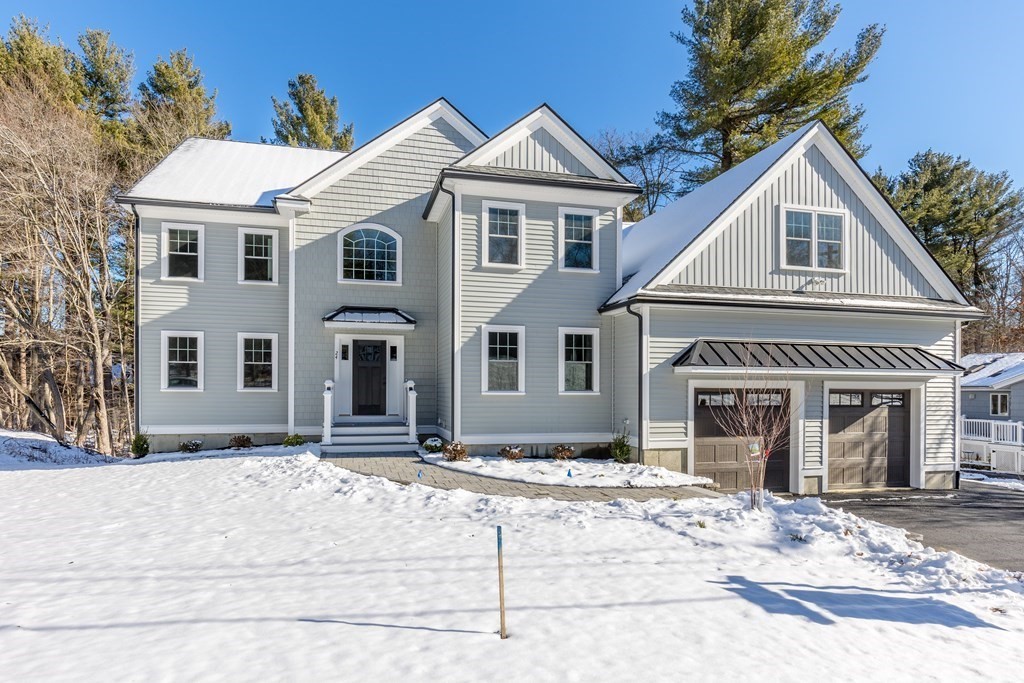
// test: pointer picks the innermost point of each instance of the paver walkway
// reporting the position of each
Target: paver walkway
(404, 469)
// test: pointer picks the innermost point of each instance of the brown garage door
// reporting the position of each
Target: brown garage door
(721, 457)
(869, 439)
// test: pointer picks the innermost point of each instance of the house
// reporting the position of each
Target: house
(992, 408)
(439, 281)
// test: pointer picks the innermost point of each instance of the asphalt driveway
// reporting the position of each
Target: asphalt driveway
(983, 522)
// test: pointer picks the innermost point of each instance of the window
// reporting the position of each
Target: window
(502, 240)
(370, 254)
(887, 399)
(182, 251)
(764, 399)
(257, 362)
(716, 398)
(846, 398)
(580, 353)
(577, 240)
(813, 239)
(257, 256)
(999, 405)
(503, 359)
(182, 361)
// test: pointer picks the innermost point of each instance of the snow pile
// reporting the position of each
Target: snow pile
(283, 567)
(29, 449)
(580, 472)
(1012, 484)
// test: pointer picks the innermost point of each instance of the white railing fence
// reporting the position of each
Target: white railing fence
(993, 431)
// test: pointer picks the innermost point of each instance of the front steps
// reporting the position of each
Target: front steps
(368, 437)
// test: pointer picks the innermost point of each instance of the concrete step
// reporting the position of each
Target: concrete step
(345, 449)
(355, 439)
(393, 428)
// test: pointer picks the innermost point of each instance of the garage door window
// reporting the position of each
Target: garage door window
(764, 399)
(887, 399)
(716, 398)
(846, 398)
(1000, 406)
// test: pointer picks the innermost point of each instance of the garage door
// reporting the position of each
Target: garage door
(721, 457)
(869, 439)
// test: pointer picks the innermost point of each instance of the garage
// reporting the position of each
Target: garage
(722, 457)
(868, 439)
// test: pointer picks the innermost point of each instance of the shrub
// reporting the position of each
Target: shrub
(455, 450)
(293, 440)
(621, 450)
(433, 445)
(240, 441)
(140, 445)
(511, 452)
(190, 446)
(563, 452)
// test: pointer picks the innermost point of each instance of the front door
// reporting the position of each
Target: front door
(369, 377)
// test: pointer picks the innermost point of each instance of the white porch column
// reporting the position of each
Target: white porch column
(328, 411)
(410, 409)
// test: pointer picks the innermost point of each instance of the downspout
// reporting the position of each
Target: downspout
(639, 383)
(455, 332)
(136, 365)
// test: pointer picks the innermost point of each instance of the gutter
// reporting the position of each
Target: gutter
(639, 383)
(124, 199)
(136, 366)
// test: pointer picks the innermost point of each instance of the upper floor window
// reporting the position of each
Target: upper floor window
(257, 256)
(813, 239)
(183, 247)
(370, 254)
(577, 240)
(182, 361)
(999, 405)
(503, 359)
(503, 239)
(579, 351)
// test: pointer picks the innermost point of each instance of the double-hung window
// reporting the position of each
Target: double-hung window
(503, 359)
(577, 240)
(502, 236)
(257, 362)
(579, 354)
(183, 246)
(181, 361)
(257, 256)
(999, 405)
(814, 239)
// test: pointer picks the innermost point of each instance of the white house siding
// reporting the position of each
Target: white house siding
(747, 252)
(219, 307)
(444, 320)
(673, 329)
(390, 190)
(541, 298)
(540, 151)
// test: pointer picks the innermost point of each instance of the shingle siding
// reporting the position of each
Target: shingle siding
(540, 151)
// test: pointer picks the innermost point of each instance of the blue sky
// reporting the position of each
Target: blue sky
(949, 74)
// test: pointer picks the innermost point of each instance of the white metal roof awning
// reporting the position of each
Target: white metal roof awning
(370, 318)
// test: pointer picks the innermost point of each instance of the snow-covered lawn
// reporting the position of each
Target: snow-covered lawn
(1012, 484)
(579, 472)
(271, 565)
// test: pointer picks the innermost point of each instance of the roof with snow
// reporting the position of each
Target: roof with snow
(229, 173)
(654, 242)
(992, 370)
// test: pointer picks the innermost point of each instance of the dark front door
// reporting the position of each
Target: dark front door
(369, 378)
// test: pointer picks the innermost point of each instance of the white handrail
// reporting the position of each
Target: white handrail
(410, 409)
(328, 411)
(992, 431)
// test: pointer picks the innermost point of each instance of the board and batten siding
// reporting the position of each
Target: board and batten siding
(445, 257)
(541, 298)
(220, 308)
(748, 252)
(976, 403)
(540, 151)
(674, 329)
(390, 190)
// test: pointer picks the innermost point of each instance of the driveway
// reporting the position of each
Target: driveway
(983, 522)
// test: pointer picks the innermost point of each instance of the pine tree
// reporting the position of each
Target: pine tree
(105, 71)
(28, 56)
(756, 74)
(308, 118)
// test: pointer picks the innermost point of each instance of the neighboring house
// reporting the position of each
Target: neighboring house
(992, 387)
(437, 281)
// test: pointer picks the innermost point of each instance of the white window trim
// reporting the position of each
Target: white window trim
(595, 253)
(242, 232)
(485, 331)
(814, 211)
(993, 395)
(200, 353)
(595, 332)
(240, 362)
(165, 249)
(398, 256)
(485, 207)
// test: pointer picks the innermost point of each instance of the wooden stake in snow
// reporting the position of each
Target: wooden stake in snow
(501, 588)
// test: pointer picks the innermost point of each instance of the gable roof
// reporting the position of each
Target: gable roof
(229, 173)
(660, 245)
(439, 109)
(544, 117)
(992, 370)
